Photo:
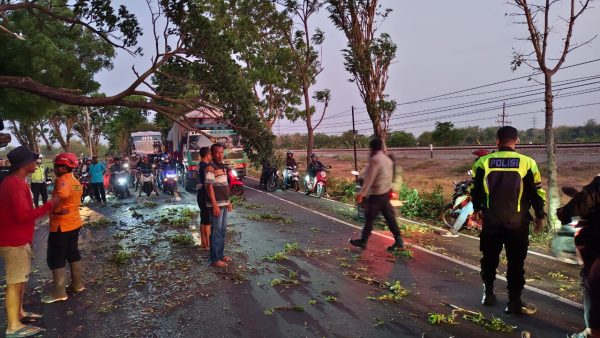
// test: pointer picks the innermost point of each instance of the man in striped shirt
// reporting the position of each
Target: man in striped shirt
(217, 190)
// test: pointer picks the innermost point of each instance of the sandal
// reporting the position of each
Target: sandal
(50, 299)
(227, 259)
(74, 290)
(30, 317)
(219, 264)
(26, 331)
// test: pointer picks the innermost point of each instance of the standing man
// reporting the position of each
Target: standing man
(205, 159)
(97, 171)
(17, 222)
(65, 223)
(217, 189)
(377, 186)
(38, 182)
(506, 185)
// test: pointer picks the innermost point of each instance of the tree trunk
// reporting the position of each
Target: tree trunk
(43, 136)
(311, 132)
(553, 196)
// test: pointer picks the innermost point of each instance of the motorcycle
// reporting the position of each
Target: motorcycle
(121, 184)
(563, 244)
(146, 182)
(461, 203)
(318, 185)
(274, 180)
(291, 178)
(168, 180)
(236, 186)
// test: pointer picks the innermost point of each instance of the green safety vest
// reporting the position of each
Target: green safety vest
(39, 175)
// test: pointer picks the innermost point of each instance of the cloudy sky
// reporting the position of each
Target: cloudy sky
(444, 47)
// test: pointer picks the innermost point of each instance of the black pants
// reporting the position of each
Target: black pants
(39, 189)
(591, 295)
(99, 192)
(62, 247)
(380, 204)
(516, 243)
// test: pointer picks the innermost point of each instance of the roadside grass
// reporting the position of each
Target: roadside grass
(100, 223)
(240, 201)
(120, 257)
(182, 239)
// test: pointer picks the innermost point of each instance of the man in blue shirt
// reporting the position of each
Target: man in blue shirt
(97, 171)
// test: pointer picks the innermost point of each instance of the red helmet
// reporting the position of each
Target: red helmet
(66, 159)
(480, 152)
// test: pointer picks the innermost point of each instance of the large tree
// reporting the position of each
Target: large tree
(536, 16)
(368, 57)
(307, 63)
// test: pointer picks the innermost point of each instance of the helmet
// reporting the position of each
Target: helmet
(480, 152)
(313, 155)
(66, 159)
(289, 152)
(41, 156)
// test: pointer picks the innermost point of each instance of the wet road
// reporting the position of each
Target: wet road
(294, 275)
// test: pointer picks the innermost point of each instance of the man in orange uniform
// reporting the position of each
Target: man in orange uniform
(65, 223)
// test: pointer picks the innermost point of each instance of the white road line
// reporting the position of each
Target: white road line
(535, 253)
(451, 259)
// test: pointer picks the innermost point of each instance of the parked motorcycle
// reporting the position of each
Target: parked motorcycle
(274, 180)
(168, 180)
(291, 178)
(317, 185)
(461, 203)
(236, 186)
(121, 184)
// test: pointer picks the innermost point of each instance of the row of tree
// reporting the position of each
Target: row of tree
(445, 134)
(249, 57)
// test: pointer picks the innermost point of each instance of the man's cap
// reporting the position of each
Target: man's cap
(507, 133)
(20, 157)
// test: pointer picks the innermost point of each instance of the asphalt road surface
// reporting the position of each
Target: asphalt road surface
(316, 286)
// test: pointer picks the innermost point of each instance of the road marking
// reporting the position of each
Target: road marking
(451, 259)
(535, 253)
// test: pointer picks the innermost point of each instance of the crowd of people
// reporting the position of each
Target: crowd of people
(506, 185)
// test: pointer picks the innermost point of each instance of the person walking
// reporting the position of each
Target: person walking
(205, 159)
(217, 189)
(379, 176)
(97, 171)
(38, 182)
(65, 224)
(506, 185)
(586, 205)
(17, 223)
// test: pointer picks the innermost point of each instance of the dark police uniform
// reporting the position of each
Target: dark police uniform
(506, 185)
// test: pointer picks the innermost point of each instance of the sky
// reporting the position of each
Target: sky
(443, 47)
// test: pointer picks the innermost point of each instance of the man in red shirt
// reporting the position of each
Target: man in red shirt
(17, 222)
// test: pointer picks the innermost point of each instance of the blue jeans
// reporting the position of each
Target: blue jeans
(218, 229)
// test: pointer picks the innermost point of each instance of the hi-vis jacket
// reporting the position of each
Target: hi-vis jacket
(505, 185)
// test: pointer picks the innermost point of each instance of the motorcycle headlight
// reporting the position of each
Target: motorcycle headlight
(234, 173)
(307, 178)
(171, 176)
(126, 165)
(323, 174)
(122, 181)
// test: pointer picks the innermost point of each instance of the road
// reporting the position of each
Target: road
(320, 287)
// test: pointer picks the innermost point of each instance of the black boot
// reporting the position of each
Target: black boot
(398, 244)
(361, 243)
(489, 298)
(518, 307)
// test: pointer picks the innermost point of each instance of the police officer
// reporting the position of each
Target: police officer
(38, 182)
(506, 185)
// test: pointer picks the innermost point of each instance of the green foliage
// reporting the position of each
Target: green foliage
(397, 292)
(439, 318)
(427, 205)
(401, 139)
(291, 248)
(267, 217)
(445, 134)
(120, 257)
(182, 239)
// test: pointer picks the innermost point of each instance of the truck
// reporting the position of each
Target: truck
(186, 143)
(146, 143)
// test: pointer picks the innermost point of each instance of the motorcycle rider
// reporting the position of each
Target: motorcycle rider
(114, 169)
(586, 205)
(290, 161)
(145, 167)
(85, 165)
(38, 182)
(314, 166)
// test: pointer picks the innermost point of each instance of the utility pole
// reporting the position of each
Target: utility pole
(354, 142)
(533, 130)
(502, 116)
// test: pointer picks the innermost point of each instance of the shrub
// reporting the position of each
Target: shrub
(427, 205)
